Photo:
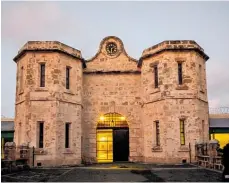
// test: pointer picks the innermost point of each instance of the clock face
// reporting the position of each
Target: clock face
(111, 48)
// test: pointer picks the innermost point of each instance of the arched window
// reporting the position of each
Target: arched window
(112, 120)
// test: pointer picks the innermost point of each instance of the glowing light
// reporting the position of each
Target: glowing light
(123, 118)
(103, 139)
(104, 146)
(101, 118)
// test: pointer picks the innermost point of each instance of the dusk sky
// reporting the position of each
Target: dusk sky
(139, 25)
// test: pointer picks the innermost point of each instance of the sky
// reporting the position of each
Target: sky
(139, 25)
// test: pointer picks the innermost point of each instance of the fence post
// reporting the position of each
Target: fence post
(33, 155)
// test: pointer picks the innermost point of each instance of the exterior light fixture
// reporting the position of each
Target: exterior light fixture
(101, 118)
(123, 118)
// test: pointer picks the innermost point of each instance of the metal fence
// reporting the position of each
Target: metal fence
(219, 110)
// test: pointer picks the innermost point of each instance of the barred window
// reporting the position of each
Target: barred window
(21, 78)
(182, 132)
(41, 134)
(155, 76)
(67, 77)
(42, 75)
(201, 77)
(67, 130)
(157, 133)
(180, 77)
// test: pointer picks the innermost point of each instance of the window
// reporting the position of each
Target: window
(42, 75)
(180, 79)
(155, 76)
(203, 130)
(182, 132)
(67, 77)
(157, 133)
(21, 78)
(200, 78)
(41, 134)
(67, 130)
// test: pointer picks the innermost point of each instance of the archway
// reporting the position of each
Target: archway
(112, 138)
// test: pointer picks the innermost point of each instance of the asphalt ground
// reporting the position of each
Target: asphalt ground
(124, 172)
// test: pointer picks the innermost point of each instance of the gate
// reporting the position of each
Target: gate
(112, 138)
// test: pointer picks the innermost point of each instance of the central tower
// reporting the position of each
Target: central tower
(111, 84)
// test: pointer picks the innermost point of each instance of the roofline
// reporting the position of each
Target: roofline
(49, 46)
(171, 49)
(103, 42)
(178, 45)
(7, 119)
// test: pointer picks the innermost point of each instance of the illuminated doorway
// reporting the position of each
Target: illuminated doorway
(104, 145)
(112, 138)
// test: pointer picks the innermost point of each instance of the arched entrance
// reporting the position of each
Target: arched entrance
(112, 138)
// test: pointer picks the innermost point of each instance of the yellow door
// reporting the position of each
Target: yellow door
(104, 146)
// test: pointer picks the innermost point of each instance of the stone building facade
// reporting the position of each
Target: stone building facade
(157, 104)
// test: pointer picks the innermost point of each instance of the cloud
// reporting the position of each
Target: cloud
(214, 103)
(35, 21)
(218, 83)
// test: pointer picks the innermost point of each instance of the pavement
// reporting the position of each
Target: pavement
(118, 172)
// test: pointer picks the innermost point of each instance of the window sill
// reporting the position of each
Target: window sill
(157, 149)
(155, 90)
(182, 87)
(40, 151)
(69, 92)
(41, 89)
(183, 148)
(68, 151)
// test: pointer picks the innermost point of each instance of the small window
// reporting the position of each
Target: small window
(182, 132)
(203, 130)
(67, 77)
(67, 130)
(180, 79)
(200, 78)
(42, 75)
(22, 78)
(155, 76)
(41, 134)
(157, 133)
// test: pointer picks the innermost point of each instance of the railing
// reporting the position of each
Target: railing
(12, 155)
(208, 162)
(208, 156)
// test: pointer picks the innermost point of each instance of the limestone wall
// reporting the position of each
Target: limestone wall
(104, 93)
(171, 102)
(104, 62)
(112, 83)
(53, 104)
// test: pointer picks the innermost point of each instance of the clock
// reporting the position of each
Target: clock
(111, 48)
